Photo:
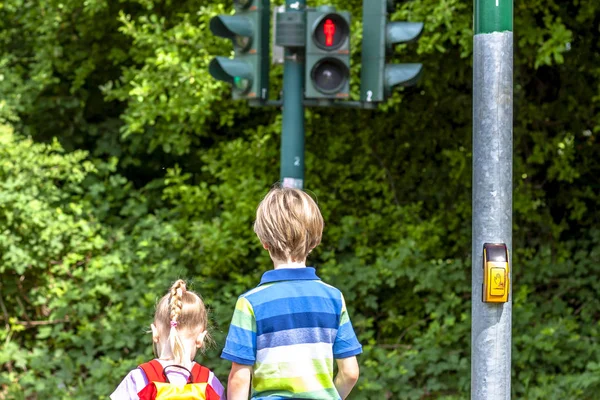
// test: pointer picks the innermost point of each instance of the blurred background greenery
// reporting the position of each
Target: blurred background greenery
(124, 166)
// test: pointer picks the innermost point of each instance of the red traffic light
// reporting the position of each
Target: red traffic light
(331, 32)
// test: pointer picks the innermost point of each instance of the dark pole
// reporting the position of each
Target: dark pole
(292, 137)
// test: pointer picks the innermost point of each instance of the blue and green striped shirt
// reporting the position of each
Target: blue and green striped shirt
(290, 329)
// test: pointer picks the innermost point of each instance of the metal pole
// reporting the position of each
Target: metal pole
(292, 137)
(492, 191)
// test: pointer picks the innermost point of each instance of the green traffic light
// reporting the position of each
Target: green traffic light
(241, 84)
(248, 29)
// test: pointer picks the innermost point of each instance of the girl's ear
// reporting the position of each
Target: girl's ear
(265, 246)
(155, 336)
(200, 339)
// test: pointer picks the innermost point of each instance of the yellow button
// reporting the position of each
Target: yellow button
(497, 281)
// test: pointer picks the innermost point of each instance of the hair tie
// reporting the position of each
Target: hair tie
(174, 324)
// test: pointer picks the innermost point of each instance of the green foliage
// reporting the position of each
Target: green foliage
(155, 174)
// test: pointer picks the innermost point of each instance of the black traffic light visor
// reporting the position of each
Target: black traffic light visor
(228, 70)
(402, 74)
(230, 26)
(403, 32)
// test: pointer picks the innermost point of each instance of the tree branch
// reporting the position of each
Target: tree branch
(4, 310)
(32, 324)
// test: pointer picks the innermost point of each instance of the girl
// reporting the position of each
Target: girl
(178, 331)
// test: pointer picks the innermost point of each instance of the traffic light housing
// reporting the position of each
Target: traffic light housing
(248, 29)
(377, 77)
(327, 54)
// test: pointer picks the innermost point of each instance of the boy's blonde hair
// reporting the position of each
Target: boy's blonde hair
(289, 223)
(181, 311)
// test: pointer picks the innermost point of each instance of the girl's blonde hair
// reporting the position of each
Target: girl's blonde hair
(178, 311)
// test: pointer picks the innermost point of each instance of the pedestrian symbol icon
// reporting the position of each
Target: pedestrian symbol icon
(497, 281)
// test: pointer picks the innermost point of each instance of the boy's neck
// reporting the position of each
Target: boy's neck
(280, 264)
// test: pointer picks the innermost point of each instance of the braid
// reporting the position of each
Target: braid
(175, 300)
(175, 307)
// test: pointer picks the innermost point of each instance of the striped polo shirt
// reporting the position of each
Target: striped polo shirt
(290, 329)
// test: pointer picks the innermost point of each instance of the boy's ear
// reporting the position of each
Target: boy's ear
(155, 336)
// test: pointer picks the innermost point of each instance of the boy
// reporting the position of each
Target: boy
(286, 332)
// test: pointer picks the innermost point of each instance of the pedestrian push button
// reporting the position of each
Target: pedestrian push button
(496, 274)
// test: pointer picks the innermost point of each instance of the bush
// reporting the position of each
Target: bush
(155, 175)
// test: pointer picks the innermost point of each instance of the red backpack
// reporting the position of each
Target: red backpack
(159, 387)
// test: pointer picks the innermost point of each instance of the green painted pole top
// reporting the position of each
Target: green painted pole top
(493, 16)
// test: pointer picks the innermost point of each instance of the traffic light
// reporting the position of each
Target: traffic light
(248, 29)
(327, 53)
(378, 78)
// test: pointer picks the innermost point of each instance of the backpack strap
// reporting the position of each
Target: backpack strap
(154, 371)
(211, 394)
(200, 374)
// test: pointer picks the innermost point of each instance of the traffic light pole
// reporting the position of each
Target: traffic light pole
(492, 192)
(292, 136)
